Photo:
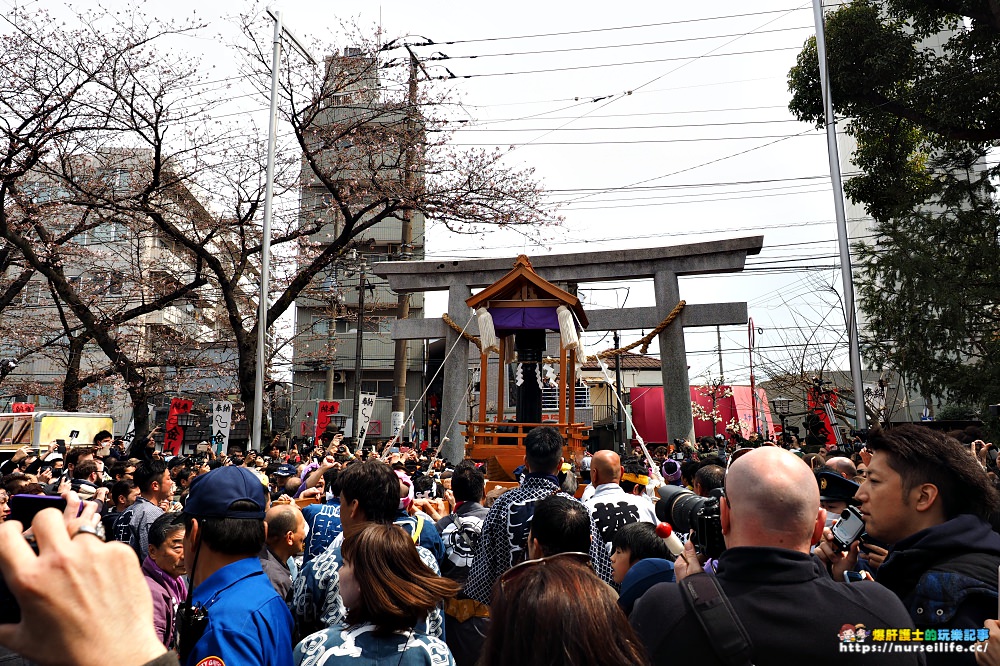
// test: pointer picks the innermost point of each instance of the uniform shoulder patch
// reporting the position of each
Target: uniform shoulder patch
(211, 661)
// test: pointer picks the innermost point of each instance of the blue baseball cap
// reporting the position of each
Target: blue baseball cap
(286, 470)
(643, 575)
(213, 493)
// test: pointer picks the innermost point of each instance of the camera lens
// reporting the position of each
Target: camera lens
(679, 507)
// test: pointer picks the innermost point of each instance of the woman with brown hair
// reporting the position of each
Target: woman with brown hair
(388, 592)
(555, 611)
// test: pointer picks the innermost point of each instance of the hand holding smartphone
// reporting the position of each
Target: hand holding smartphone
(848, 529)
(24, 508)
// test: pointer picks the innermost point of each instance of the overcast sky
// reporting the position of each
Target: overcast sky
(642, 121)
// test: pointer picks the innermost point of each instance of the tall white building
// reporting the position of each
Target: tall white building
(327, 313)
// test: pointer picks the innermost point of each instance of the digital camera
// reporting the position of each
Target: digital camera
(687, 512)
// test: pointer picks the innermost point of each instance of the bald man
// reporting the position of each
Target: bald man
(286, 538)
(843, 466)
(612, 507)
(784, 597)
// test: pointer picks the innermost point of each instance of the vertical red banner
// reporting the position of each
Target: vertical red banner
(323, 414)
(173, 437)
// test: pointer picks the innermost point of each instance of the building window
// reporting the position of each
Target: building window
(31, 293)
(320, 325)
(118, 178)
(116, 280)
(381, 388)
(103, 233)
(550, 396)
(317, 389)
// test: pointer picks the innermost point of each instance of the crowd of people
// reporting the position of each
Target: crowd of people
(326, 555)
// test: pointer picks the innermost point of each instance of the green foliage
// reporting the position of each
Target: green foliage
(924, 108)
(887, 63)
(956, 412)
(930, 285)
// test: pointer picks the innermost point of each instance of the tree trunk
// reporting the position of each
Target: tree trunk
(72, 386)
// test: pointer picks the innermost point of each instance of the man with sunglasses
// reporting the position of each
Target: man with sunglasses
(504, 540)
(791, 609)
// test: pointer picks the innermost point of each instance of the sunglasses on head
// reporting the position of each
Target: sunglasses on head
(739, 453)
(519, 569)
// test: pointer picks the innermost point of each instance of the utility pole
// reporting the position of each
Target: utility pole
(400, 359)
(331, 353)
(358, 350)
(620, 422)
(718, 337)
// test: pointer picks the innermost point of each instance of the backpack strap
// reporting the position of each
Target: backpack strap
(727, 635)
(416, 530)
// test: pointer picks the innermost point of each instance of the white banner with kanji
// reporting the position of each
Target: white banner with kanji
(367, 407)
(222, 419)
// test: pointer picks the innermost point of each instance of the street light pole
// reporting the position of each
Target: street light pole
(265, 246)
(843, 241)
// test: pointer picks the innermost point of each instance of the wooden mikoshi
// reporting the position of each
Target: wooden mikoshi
(514, 315)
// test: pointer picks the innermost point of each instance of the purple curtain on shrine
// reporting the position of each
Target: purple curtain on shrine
(506, 320)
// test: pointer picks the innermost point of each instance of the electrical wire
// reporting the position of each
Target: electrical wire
(556, 70)
(593, 30)
(433, 58)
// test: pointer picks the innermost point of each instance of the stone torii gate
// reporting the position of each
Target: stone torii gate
(662, 264)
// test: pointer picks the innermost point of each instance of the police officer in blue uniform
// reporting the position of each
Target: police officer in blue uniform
(233, 616)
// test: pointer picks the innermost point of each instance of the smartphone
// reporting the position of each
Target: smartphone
(204, 448)
(61, 446)
(24, 508)
(848, 529)
(853, 576)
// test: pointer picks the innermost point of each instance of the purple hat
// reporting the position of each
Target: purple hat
(213, 493)
(671, 471)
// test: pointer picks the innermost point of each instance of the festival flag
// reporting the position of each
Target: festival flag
(326, 409)
(173, 437)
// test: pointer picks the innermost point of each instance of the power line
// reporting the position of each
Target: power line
(604, 46)
(623, 142)
(478, 123)
(651, 188)
(616, 64)
(625, 127)
(588, 99)
(694, 201)
(593, 30)
(656, 196)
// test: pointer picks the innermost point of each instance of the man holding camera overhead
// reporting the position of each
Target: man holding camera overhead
(783, 600)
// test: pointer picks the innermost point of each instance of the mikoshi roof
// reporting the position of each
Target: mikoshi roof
(522, 287)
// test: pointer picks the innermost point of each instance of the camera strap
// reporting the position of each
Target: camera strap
(190, 622)
(727, 635)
